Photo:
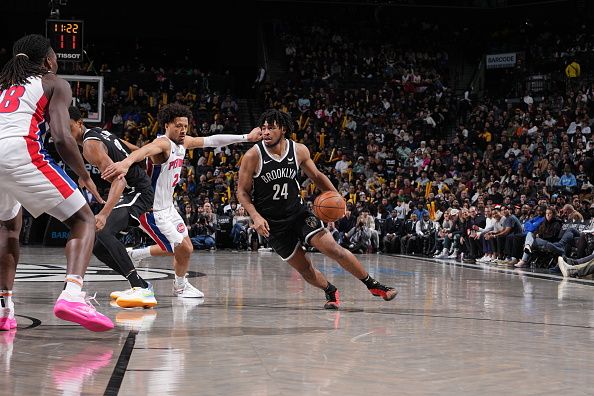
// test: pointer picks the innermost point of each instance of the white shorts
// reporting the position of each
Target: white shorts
(166, 227)
(30, 177)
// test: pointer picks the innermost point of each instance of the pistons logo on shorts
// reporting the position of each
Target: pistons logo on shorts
(181, 228)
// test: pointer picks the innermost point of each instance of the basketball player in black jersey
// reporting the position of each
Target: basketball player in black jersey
(128, 198)
(268, 173)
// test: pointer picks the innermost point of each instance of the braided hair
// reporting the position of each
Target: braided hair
(31, 51)
(170, 112)
(282, 119)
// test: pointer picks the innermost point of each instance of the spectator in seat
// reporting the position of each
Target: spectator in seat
(442, 231)
(487, 244)
(369, 222)
(408, 232)
(425, 234)
(544, 238)
(568, 212)
(393, 229)
(568, 180)
(576, 268)
(472, 242)
(345, 224)
(241, 222)
(451, 238)
(331, 227)
(343, 165)
(504, 238)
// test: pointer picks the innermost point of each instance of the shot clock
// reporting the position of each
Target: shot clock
(66, 38)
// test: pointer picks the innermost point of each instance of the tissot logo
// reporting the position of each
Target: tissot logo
(55, 273)
(68, 56)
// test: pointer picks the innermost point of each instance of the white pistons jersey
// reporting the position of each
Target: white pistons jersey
(22, 108)
(28, 174)
(165, 176)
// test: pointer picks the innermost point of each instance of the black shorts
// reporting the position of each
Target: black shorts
(136, 203)
(287, 236)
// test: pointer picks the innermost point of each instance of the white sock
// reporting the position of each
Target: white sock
(142, 253)
(6, 299)
(74, 283)
(180, 280)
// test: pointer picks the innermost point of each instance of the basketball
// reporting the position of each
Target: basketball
(329, 206)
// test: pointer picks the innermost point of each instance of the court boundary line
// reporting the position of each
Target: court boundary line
(512, 271)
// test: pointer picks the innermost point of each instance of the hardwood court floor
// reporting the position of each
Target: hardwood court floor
(452, 330)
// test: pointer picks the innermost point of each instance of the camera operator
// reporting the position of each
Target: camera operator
(203, 230)
(359, 237)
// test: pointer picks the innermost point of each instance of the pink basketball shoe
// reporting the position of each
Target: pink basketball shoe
(76, 307)
(7, 320)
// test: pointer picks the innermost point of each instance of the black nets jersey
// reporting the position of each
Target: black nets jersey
(136, 179)
(276, 193)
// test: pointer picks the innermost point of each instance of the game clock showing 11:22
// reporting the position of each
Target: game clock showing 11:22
(66, 38)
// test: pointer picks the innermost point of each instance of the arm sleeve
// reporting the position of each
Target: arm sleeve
(223, 140)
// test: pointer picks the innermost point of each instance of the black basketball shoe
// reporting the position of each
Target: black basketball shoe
(332, 300)
(385, 292)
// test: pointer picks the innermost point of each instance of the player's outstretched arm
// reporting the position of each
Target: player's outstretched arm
(222, 140)
(311, 170)
(94, 151)
(249, 164)
(130, 146)
(118, 169)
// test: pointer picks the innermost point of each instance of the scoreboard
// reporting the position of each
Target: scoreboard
(66, 38)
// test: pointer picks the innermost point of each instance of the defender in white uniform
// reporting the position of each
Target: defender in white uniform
(166, 153)
(164, 224)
